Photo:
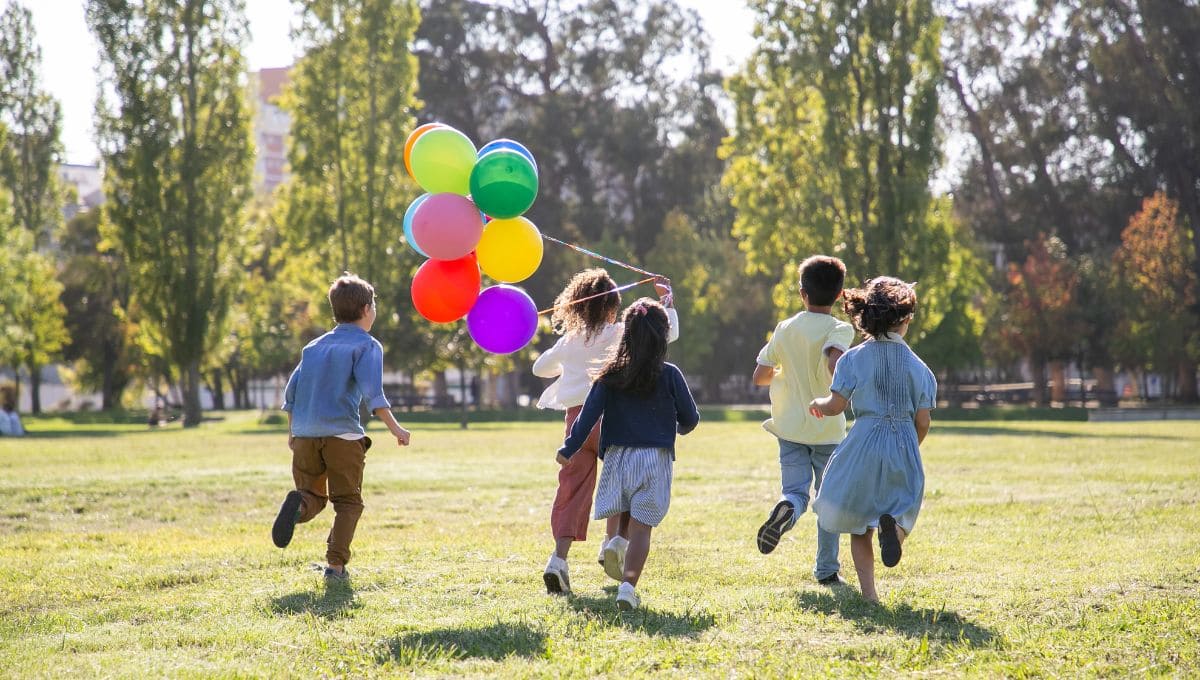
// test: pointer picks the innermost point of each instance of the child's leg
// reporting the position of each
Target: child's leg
(827, 542)
(344, 462)
(864, 563)
(308, 471)
(572, 507)
(639, 549)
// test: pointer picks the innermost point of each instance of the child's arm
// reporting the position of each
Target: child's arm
(402, 435)
(832, 405)
(662, 286)
(687, 416)
(763, 375)
(593, 408)
(549, 363)
(832, 355)
(922, 421)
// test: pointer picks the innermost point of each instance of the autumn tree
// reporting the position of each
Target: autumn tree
(1156, 265)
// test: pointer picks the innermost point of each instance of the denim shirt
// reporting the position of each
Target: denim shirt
(337, 372)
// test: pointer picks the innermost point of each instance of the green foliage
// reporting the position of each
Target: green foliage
(833, 153)
(96, 297)
(174, 133)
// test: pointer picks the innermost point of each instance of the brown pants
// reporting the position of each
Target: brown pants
(576, 481)
(328, 468)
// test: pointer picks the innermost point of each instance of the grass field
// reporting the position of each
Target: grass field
(1044, 549)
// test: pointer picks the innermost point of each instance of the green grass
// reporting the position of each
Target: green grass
(1044, 549)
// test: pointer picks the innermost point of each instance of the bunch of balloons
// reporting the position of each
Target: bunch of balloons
(470, 220)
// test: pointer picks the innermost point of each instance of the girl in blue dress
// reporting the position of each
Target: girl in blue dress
(875, 480)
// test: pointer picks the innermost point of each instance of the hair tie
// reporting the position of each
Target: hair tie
(639, 309)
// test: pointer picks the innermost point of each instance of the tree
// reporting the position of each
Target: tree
(1156, 265)
(835, 147)
(96, 298)
(174, 133)
(1041, 312)
(33, 119)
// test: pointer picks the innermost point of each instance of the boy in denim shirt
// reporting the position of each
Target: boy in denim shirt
(798, 365)
(337, 372)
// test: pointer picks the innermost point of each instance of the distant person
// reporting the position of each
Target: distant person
(336, 373)
(586, 317)
(875, 480)
(798, 364)
(10, 422)
(644, 402)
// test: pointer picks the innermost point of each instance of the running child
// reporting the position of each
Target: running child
(875, 480)
(644, 401)
(586, 317)
(798, 364)
(337, 372)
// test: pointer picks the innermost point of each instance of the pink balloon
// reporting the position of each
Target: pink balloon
(447, 226)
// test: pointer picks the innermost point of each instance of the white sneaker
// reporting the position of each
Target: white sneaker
(614, 557)
(603, 545)
(556, 578)
(627, 597)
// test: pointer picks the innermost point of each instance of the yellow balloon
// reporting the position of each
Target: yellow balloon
(510, 250)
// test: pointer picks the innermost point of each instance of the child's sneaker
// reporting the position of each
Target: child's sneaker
(627, 597)
(556, 578)
(600, 557)
(889, 541)
(334, 576)
(285, 521)
(614, 557)
(775, 526)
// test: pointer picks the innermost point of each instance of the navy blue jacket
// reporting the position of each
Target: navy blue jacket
(631, 420)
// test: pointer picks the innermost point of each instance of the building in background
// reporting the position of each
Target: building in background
(87, 182)
(271, 126)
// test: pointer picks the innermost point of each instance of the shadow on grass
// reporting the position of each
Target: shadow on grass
(335, 601)
(495, 642)
(663, 624)
(934, 624)
(939, 428)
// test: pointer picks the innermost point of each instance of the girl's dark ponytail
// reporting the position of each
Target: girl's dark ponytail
(880, 305)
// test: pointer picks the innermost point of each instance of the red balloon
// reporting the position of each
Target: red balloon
(445, 290)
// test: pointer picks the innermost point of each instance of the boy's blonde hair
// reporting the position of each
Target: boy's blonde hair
(348, 295)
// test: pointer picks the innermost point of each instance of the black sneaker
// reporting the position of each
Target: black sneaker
(889, 541)
(336, 576)
(285, 521)
(775, 526)
(833, 579)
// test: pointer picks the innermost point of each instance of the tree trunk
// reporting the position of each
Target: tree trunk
(217, 386)
(1058, 381)
(1106, 389)
(1187, 382)
(462, 392)
(1037, 366)
(441, 391)
(190, 377)
(35, 389)
(109, 396)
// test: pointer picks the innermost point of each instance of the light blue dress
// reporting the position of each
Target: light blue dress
(877, 467)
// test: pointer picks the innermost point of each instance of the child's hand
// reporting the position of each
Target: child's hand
(402, 436)
(814, 407)
(561, 459)
(662, 286)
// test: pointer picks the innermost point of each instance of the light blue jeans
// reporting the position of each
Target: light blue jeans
(802, 466)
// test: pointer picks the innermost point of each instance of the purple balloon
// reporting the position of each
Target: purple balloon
(503, 319)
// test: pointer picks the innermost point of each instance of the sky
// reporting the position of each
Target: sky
(70, 54)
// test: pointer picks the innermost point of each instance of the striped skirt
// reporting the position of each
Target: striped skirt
(637, 481)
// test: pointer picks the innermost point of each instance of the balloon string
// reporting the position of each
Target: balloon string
(590, 297)
(598, 256)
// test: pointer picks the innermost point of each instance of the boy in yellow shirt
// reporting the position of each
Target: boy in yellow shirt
(798, 364)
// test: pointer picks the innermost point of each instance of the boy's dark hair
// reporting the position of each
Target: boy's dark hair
(348, 295)
(880, 305)
(639, 360)
(590, 316)
(822, 277)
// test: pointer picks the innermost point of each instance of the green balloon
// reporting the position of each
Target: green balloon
(503, 183)
(442, 160)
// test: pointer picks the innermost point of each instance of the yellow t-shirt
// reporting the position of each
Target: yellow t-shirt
(797, 352)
